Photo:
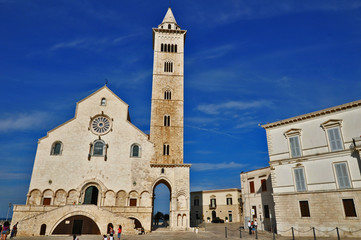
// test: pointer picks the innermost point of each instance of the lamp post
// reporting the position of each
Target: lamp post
(7, 215)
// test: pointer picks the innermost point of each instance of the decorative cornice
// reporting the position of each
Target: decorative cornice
(163, 165)
(326, 111)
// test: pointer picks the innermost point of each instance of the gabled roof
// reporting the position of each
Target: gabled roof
(169, 17)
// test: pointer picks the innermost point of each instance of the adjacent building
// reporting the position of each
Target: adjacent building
(98, 170)
(257, 198)
(316, 171)
(215, 205)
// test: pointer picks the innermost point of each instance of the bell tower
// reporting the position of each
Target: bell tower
(166, 126)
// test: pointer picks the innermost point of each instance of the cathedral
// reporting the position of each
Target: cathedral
(98, 170)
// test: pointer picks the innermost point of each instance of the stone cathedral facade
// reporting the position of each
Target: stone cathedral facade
(99, 170)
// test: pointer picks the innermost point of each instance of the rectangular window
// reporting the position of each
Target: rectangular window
(213, 203)
(305, 210)
(300, 180)
(196, 202)
(251, 187)
(342, 175)
(334, 138)
(349, 206)
(266, 211)
(133, 202)
(264, 185)
(229, 201)
(295, 146)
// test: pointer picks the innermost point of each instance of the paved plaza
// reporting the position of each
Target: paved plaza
(210, 231)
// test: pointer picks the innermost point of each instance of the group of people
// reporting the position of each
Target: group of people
(111, 233)
(252, 226)
(5, 230)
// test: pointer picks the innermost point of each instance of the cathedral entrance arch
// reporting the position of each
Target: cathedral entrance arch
(161, 216)
(91, 195)
(78, 224)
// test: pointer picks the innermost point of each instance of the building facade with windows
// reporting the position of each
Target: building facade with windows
(99, 170)
(316, 171)
(257, 198)
(210, 205)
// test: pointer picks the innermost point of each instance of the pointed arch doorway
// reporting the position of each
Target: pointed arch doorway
(161, 205)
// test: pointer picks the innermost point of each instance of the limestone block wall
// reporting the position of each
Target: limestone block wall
(326, 213)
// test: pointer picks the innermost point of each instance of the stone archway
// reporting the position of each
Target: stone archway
(78, 224)
(167, 184)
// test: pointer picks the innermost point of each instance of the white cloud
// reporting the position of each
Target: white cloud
(215, 109)
(22, 121)
(92, 43)
(6, 175)
(216, 166)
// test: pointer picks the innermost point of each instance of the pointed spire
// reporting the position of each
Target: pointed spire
(169, 17)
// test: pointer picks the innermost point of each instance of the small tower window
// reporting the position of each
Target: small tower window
(135, 150)
(175, 48)
(162, 171)
(168, 67)
(169, 26)
(167, 95)
(172, 48)
(166, 121)
(103, 102)
(56, 148)
(166, 149)
(161, 47)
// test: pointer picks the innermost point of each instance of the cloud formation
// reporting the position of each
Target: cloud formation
(22, 121)
(215, 109)
(216, 166)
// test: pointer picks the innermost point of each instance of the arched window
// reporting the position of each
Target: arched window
(175, 48)
(135, 150)
(161, 47)
(167, 95)
(56, 148)
(169, 48)
(98, 148)
(172, 48)
(166, 149)
(166, 121)
(169, 26)
(103, 102)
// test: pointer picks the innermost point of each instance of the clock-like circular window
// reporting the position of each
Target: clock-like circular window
(100, 125)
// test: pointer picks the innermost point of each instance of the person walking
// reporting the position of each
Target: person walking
(249, 227)
(119, 231)
(111, 233)
(5, 231)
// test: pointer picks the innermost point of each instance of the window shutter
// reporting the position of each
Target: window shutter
(300, 180)
(295, 146)
(342, 175)
(335, 139)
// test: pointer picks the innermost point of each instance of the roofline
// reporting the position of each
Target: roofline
(256, 170)
(313, 114)
(219, 190)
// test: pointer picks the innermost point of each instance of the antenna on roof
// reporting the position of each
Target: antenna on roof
(106, 82)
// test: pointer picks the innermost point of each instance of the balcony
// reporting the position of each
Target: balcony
(212, 206)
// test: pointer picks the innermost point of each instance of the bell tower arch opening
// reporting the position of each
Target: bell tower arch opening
(161, 206)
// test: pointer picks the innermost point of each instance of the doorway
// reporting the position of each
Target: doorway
(91, 195)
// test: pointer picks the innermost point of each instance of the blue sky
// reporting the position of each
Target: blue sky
(246, 62)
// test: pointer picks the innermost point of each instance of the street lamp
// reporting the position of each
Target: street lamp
(7, 215)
